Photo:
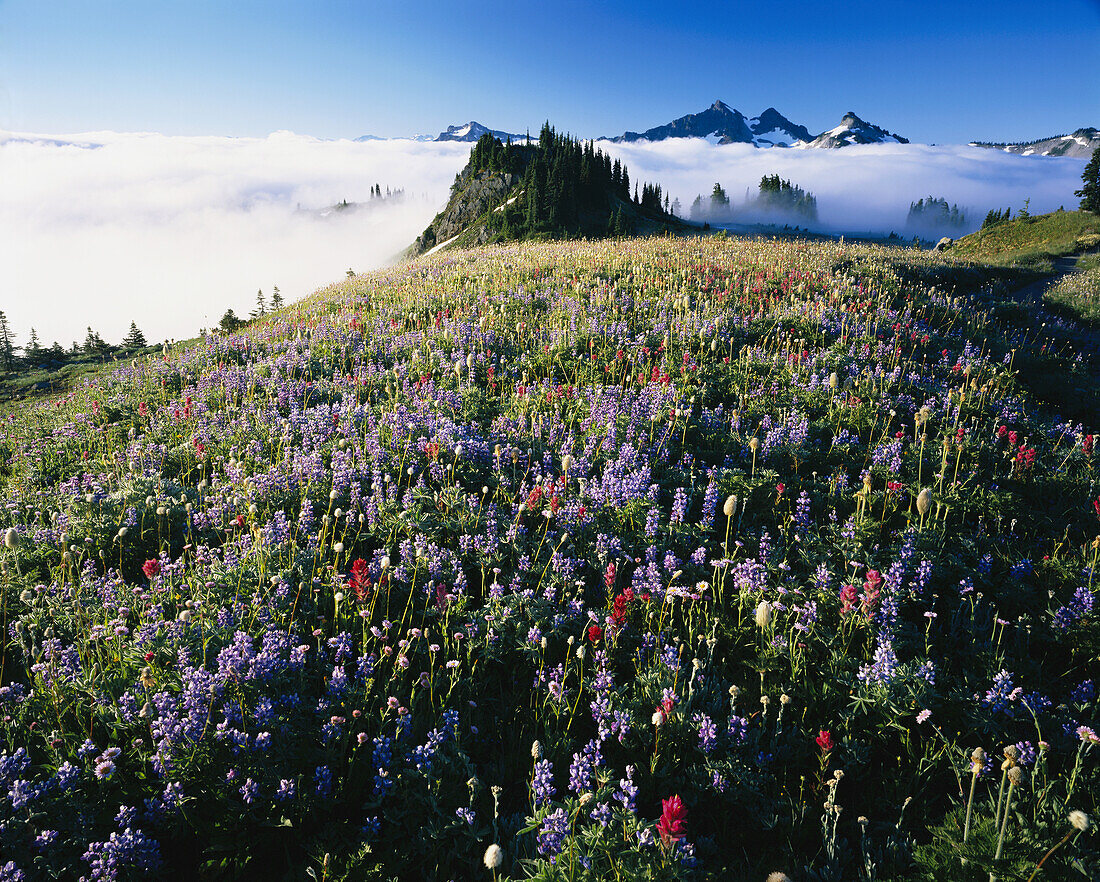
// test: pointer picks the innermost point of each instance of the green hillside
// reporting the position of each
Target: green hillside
(1032, 241)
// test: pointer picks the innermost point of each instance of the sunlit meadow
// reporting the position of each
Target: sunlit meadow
(633, 559)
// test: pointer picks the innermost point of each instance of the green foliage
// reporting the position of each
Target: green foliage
(230, 323)
(1090, 190)
(567, 188)
(1021, 242)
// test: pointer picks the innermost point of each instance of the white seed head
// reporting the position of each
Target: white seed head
(1079, 819)
(494, 857)
(730, 506)
(763, 614)
(924, 501)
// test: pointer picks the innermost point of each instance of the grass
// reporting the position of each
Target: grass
(1078, 295)
(1032, 242)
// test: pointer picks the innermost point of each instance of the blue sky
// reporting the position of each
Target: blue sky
(943, 72)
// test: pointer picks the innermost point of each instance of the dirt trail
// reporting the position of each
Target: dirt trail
(1056, 327)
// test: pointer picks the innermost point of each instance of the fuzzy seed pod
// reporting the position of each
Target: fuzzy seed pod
(754, 444)
(1015, 776)
(494, 857)
(730, 506)
(763, 614)
(11, 538)
(924, 501)
(1079, 820)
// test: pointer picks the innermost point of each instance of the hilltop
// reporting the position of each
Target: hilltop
(556, 187)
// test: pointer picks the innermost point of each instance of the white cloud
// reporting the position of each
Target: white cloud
(865, 188)
(103, 228)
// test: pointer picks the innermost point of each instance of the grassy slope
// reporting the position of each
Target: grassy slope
(1032, 242)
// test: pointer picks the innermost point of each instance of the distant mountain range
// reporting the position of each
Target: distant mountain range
(1080, 143)
(721, 124)
(470, 131)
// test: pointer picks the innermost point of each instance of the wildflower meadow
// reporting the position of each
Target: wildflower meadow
(648, 559)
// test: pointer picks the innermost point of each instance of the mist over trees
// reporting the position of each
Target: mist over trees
(934, 216)
(776, 201)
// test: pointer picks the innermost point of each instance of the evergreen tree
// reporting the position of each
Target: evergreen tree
(230, 322)
(1090, 190)
(134, 339)
(33, 353)
(260, 310)
(7, 349)
(277, 297)
(95, 345)
(719, 201)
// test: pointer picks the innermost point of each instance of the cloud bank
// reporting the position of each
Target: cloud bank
(864, 188)
(101, 228)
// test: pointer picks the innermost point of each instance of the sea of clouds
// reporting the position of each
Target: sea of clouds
(103, 228)
(862, 188)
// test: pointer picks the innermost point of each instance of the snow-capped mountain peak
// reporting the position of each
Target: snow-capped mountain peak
(853, 130)
(472, 131)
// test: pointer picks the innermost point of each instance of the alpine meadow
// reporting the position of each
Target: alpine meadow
(714, 501)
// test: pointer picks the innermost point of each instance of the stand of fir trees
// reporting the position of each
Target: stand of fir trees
(775, 196)
(935, 212)
(566, 188)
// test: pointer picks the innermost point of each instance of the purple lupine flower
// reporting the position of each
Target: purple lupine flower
(542, 783)
(627, 793)
(552, 833)
(708, 732)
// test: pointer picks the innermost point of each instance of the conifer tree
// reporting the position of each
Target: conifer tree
(135, 339)
(7, 349)
(260, 310)
(1090, 190)
(33, 351)
(277, 297)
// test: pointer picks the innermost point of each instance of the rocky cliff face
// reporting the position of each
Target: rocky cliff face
(471, 197)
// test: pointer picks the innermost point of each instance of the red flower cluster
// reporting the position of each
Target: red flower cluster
(825, 741)
(1087, 444)
(673, 823)
(595, 633)
(151, 568)
(359, 581)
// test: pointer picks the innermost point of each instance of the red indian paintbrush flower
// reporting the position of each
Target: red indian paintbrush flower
(824, 740)
(673, 822)
(151, 568)
(359, 582)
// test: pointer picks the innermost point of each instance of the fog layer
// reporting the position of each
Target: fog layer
(865, 188)
(102, 229)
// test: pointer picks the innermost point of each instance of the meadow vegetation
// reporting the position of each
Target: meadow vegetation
(692, 558)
